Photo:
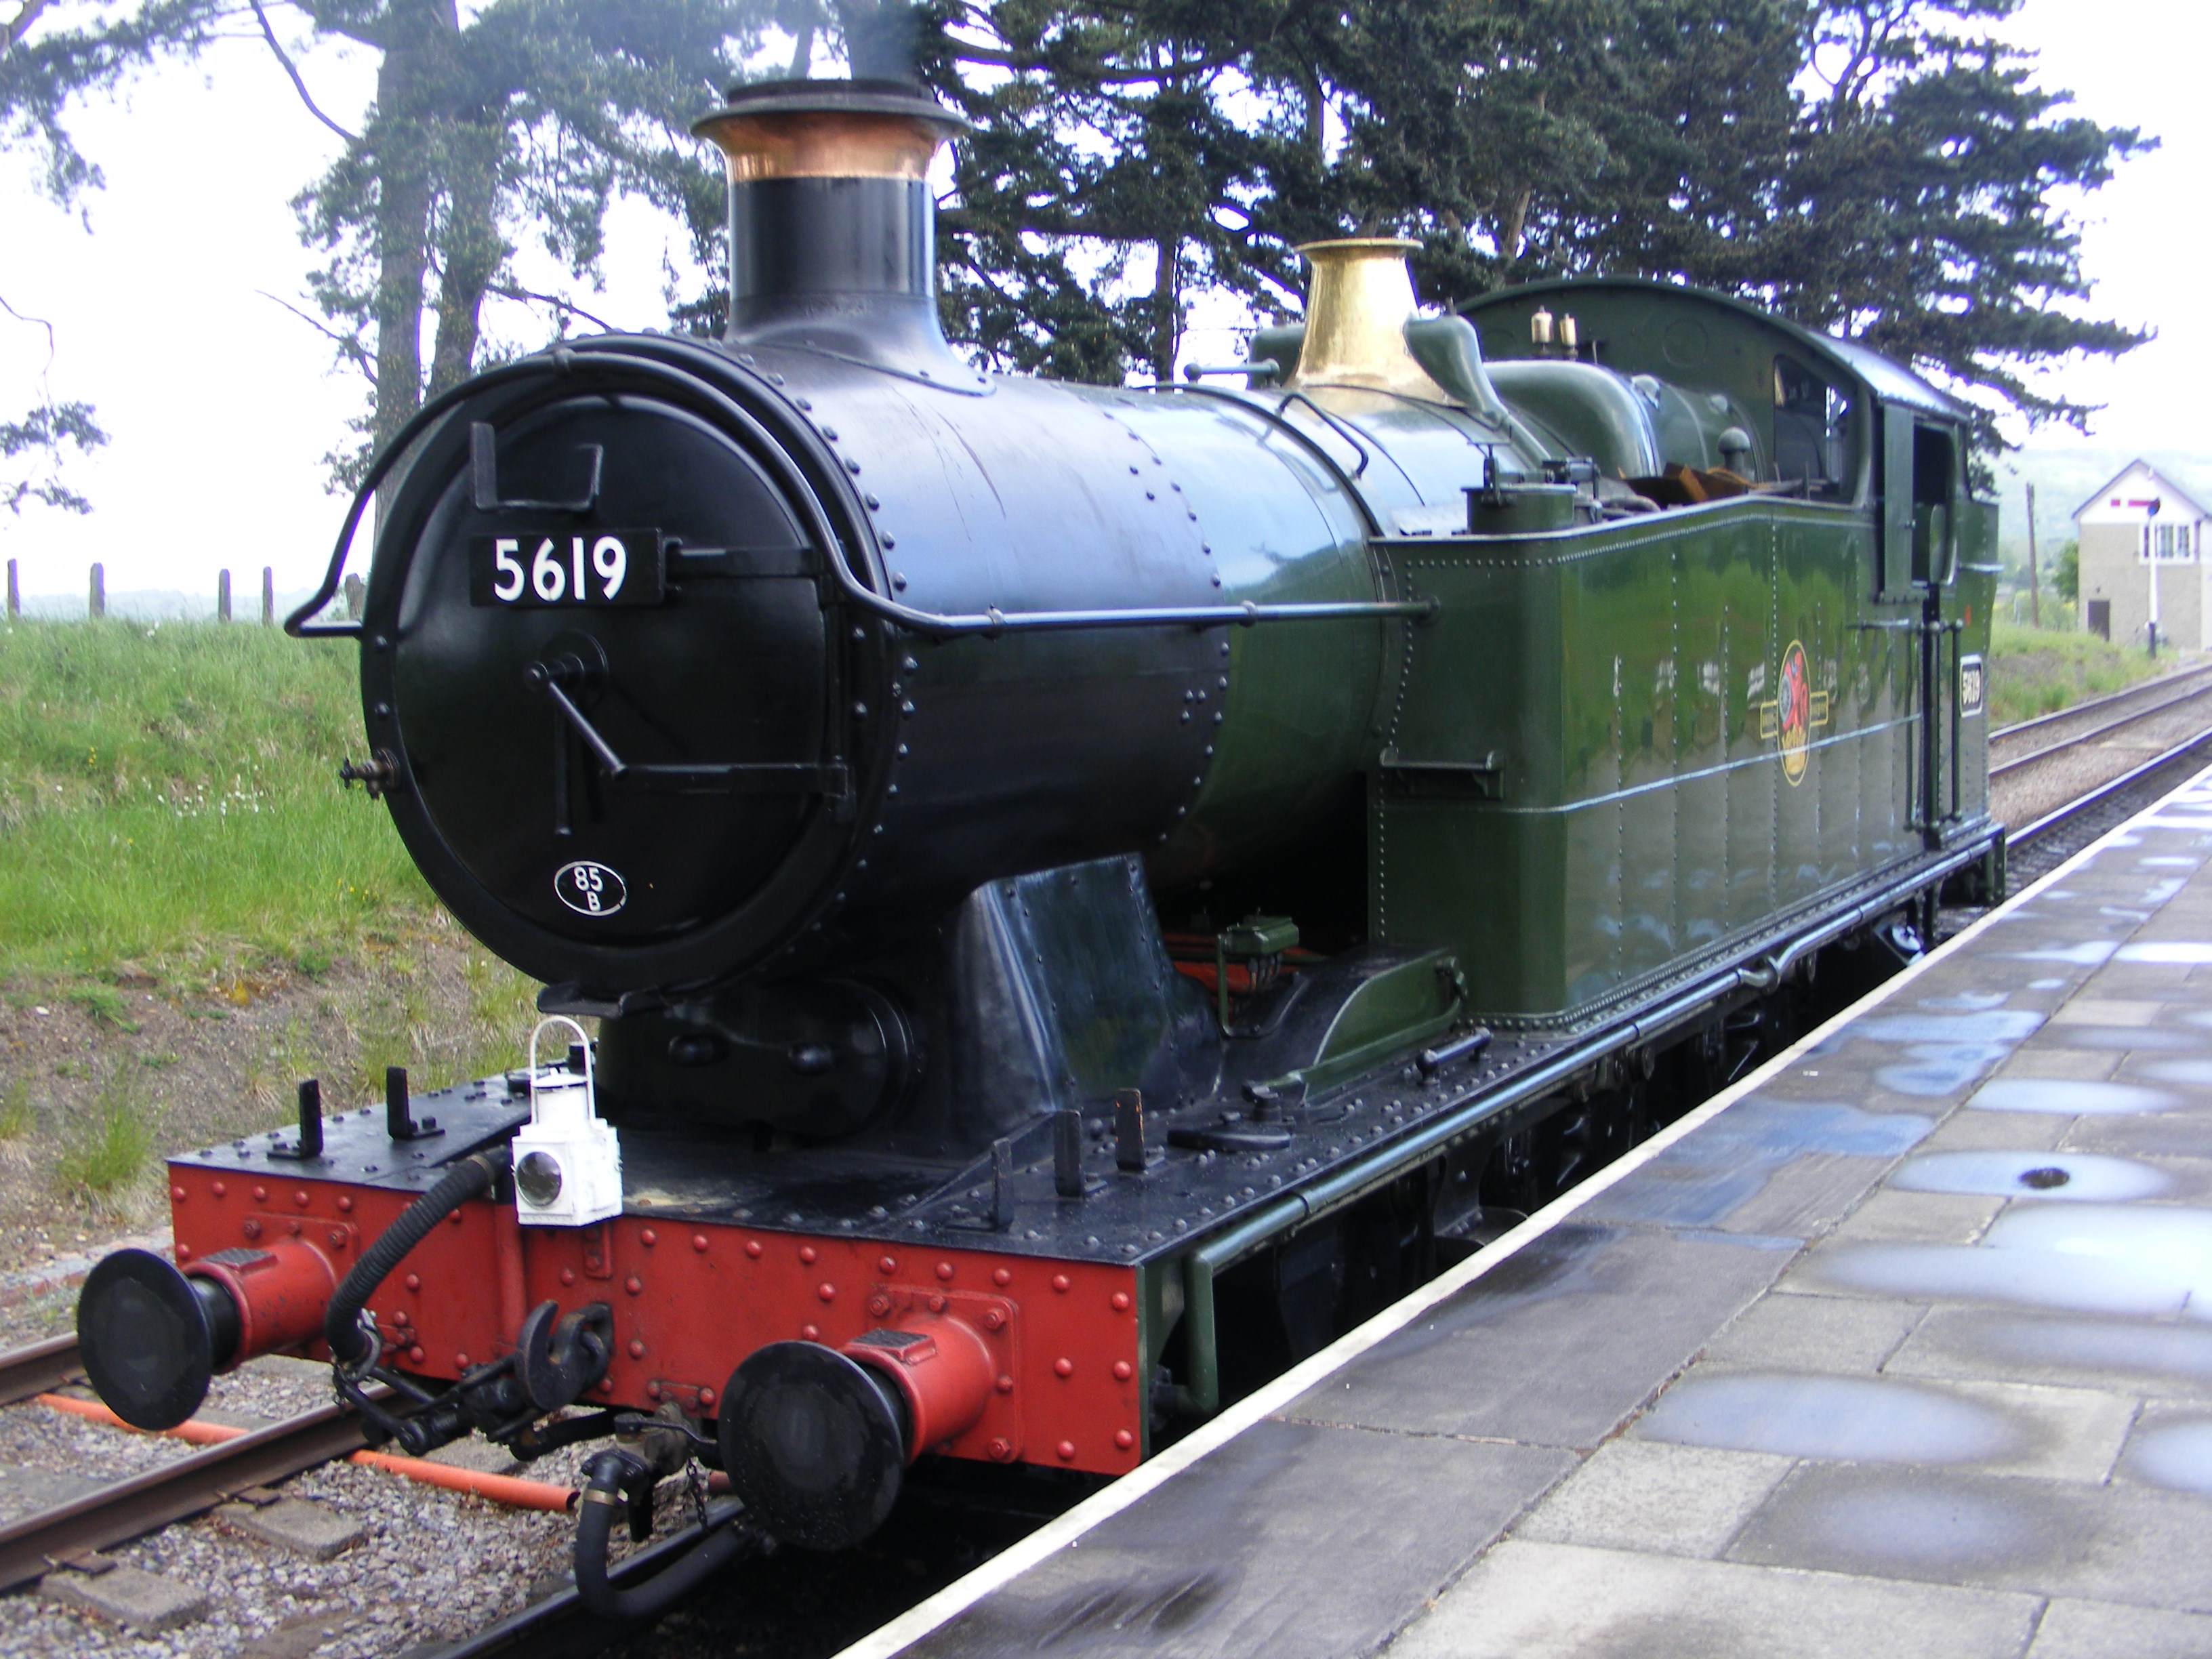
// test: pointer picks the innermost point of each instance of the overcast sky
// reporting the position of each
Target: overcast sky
(222, 404)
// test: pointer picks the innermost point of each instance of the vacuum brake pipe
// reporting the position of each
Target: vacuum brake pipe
(617, 1479)
(506, 1489)
(1202, 1397)
(472, 1176)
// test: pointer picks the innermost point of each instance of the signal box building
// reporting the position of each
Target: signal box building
(2142, 527)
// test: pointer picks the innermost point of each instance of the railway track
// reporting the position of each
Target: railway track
(192, 1485)
(2046, 769)
(2028, 742)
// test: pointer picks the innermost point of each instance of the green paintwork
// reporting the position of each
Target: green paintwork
(1405, 1004)
(1579, 777)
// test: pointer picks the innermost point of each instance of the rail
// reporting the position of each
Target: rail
(27, 1373)
(115, 1513)
(2134, 717)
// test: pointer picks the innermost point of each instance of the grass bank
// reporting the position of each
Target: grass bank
(169, 804)
(2036, 670)
(193, 914)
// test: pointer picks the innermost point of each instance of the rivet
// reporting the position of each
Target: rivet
(636, 1348)
(810, 1332)
(1060, 1282)
(752, 1247)
(633, 1284)
(568, 1275)
(944, 1270)
(455, 1217)
(853, 467)
(591, 1264)
(400, 1318)
(252, 1228)
(1122, 1370)
(887, 1265)
(706, 1397)
(300, 1198)
(808, 1254)
(653, 1389)
(416, 1354)
(337, 1238)
(826, 1291)
(1063, 1367)
(184, 1253)
(872, 503)
(1002, 1277)
(1124, 1439)
(1120, 1302)
(178, 1193)
(649, 1239)
(460, 1362)
(878, 1305)
(345, 1203)
(294, 1226)
(993, 1318)
(1066, 1450)
(699, 1243)
(414, 1281)
(1006, 1384)
(936, 1302)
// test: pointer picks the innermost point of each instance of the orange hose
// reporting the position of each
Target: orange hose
(506, 1489)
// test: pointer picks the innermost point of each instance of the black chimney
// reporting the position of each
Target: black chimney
(832, 229)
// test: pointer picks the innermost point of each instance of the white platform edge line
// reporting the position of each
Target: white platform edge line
(1068, 1529)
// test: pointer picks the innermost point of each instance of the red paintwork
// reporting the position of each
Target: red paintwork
(691, 1300)
(947, 1378)
(282, 1288)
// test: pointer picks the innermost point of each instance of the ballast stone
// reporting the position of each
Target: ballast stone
(140, 1602)
(294, 1524)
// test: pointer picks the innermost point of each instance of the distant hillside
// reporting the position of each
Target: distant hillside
(2066, 478)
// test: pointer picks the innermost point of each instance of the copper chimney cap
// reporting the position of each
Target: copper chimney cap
(861, 129)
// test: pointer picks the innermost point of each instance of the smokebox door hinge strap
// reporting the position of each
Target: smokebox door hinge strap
(832, 778)
(483, 477)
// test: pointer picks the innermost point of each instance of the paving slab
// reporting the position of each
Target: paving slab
(1647, 1495)
(1555, 1602)
(2128, 1356)
(140, 1602)
(2116, 1543)
(2108, 1629)
(1921, 1217)
(1232, 1558)
(294, 1524)
(1559, 1345)
(1816, 1333)
(2000, 1428)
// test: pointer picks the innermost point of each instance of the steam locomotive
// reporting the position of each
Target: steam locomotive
(1085, 892)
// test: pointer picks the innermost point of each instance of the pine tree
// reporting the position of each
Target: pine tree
(525, 119)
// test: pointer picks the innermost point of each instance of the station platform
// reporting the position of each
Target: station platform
(1903, 1345)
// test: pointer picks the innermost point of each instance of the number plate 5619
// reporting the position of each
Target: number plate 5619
(596, 567)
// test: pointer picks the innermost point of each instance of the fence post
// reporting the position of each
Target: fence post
(268, 596)
(15, 593)
(95, 605)
(223, 596)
